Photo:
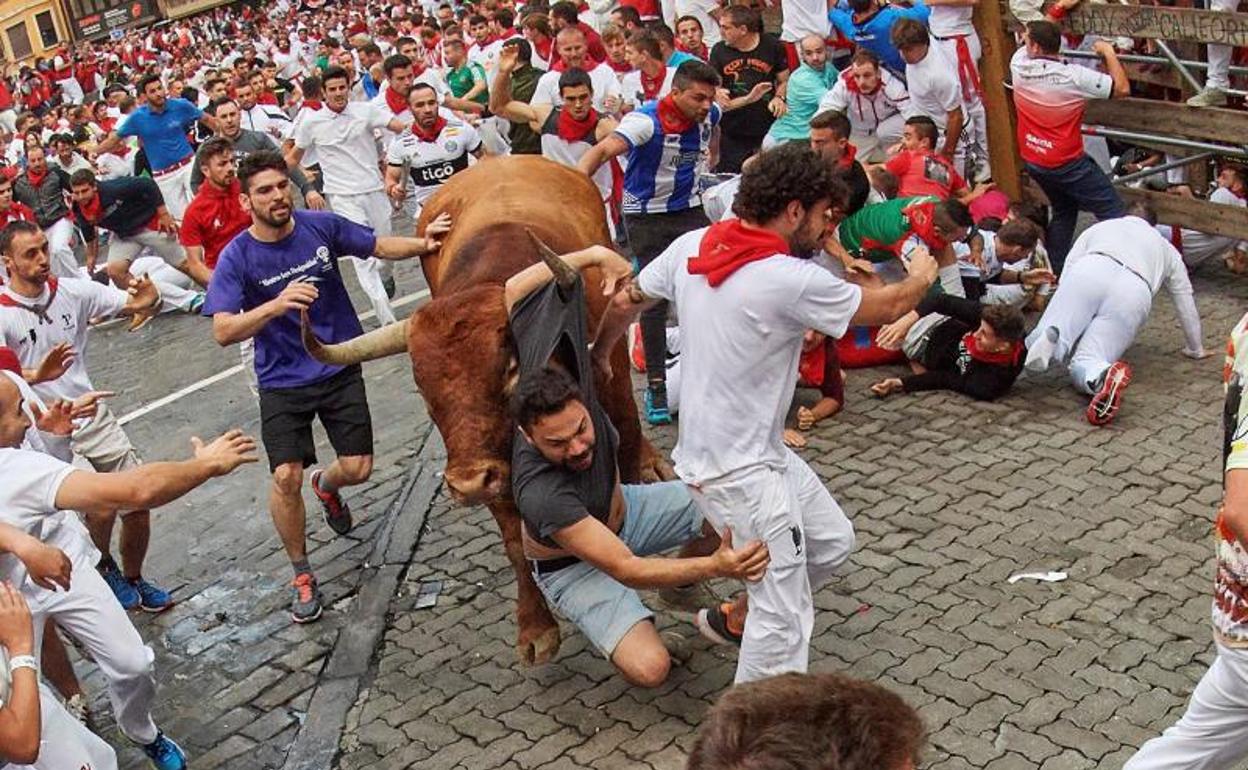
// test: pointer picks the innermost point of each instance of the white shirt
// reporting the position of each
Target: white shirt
(29, 481)
(268, 119)
(950, 20)
(77, 301)
(867, 111)
(803, 17)
(602, 76)
(344, 146)
(934, 87)
(1137, 246)
(432, 163)
(700, 10)
(288, 65)
(634, 95)
(740, 344)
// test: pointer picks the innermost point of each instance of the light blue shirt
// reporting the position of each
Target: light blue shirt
(163, 133)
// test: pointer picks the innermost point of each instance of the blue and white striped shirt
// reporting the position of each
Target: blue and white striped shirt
(663, 169)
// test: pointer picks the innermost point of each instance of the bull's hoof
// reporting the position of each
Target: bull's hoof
(540, 649)
(655, 469)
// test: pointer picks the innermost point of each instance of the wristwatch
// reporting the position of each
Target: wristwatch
(23, 661)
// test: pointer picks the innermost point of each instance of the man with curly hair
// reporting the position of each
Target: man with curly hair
(746, 292)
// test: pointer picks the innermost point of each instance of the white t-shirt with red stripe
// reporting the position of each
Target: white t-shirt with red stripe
(1050, 97)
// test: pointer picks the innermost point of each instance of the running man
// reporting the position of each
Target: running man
(285, 263)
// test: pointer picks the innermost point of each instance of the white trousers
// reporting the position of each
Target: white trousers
(974, 139)
(61, 249)
(1091, 321)
(1219, 73)
(90, 613)
(175, 186)
(146, 241)
(808, 537)
(175, 286)
(64, 742)
(1213, 733)
(371, 209)
(1199, 247)
(873, 145)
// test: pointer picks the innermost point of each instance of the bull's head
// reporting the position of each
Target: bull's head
(464, 364)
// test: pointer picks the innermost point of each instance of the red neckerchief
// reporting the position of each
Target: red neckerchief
(1005, 358)
(650, 87)
(313, 104)
(40, 310)
(847, 157)
(18, 212)
(91, 209)
(622, 67)
(702, 53)
(562, 66)
(672, 120)
(395, 101)
(544, 48)
(729, 245)
(36, 180)
(432, 134)
(572, 130)
(267, 98)
(922, 218)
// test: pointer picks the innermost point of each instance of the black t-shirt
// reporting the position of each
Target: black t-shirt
(741, 71)
(547, 324)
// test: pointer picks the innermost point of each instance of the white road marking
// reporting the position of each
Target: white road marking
(195, 387)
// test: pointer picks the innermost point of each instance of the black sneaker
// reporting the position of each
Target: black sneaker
(712, 623)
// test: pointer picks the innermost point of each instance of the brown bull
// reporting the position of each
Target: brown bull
(463, 357)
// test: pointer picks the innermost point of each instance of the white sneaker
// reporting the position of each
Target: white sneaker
(78, 708)
(1208, 97)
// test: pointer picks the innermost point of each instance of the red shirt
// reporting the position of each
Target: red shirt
(647, 9)
(212, 219)
(920, 172)
(17, 212)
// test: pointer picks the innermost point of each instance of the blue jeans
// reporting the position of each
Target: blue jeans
(658, 517)
(1080, 185)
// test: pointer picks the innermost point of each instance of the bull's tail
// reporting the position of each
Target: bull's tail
(379, 343)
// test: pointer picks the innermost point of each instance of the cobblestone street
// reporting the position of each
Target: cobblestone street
(949, 498)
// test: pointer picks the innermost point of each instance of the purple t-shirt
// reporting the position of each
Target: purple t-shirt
(249, 273)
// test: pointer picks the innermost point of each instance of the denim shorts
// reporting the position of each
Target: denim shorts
(657, 518)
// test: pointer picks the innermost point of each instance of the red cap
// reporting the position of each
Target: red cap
(8, 360)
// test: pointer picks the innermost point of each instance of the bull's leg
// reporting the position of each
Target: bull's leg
(537, 633)
(638, 459)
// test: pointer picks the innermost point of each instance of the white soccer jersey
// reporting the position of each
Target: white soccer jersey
(432, 163)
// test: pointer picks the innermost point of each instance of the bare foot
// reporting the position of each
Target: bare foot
(794, 439)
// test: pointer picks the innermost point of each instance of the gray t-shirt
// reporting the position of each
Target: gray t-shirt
(551, 324)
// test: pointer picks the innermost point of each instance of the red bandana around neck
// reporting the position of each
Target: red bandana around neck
(671, 118)
(395, 101)
(729, 245)
(432, 133)
(1004, 358)
(922, 217)
(650, 87)
(622, 67)
(313, 104)
(91, 209)
(848, 157)
(36, 179)
(572, 130)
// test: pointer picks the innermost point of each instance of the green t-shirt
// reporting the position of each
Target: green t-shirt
(875, 231)
(463, 79)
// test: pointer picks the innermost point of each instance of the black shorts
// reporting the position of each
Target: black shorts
(341, 404)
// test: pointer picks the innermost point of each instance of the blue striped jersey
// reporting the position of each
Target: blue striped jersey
(663, 169)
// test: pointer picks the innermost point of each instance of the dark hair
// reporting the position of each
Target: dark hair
(694, 71)
(542, 393)
(744, 16)
(1046, 35)
(311, 87)
(394, 62)
(58, 138)
(781, 175)
(628, 14)
(908, 32)
(421, 86)
(264, 160)
(216, 105)
(808, 722)
(11, 231)
(477, 19)
(573, 77)
(372, 49)
(660, 32)
(217, 145)
(647, 43)
(405, 40)
(1031, 211)
(1018, 232)
(4, 179)
(524, 50)
(1006, 321)
(504, 18)
(953, 212)
(694, 19)
(83, 176)
(145, 81)
(834, 121)
(566, 11)
(1144, 211)
(925, 127)
(335, 73)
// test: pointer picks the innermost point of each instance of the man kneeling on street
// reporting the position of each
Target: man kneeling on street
(588, 536)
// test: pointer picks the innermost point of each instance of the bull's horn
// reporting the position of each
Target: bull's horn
(565, 276)
(379, 343)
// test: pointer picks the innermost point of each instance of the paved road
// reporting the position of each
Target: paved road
(949, 498)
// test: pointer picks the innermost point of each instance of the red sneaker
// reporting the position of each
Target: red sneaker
(1108, 399)
(635, 349)
(337, 513)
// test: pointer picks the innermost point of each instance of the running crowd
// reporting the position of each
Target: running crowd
(224, 165)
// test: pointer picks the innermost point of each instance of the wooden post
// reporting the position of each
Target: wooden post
(994, 67)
